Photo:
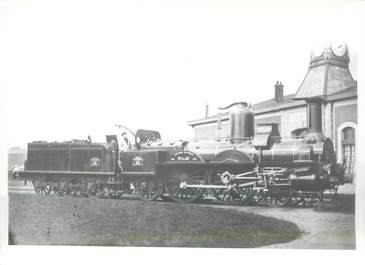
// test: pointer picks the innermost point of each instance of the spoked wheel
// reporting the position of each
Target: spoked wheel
(229, 196)
(149, 190)
(235, 191)
(130, 190)
(278, 200)
(56, 189)
(257, 197)
(48, 189)
(278, 196)
(297, 199)
(100, 191)
(312, 199)
(78, 188)
(246, 194)
(42, 188)
(84, 189)
(113, 188)
(235, 195)
(62, 188)
(176, 182)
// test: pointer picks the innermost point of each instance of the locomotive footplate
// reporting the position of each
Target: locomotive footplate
(232, 163)
(138, 173)
(182, 163)
(205, 164)
(31, 173)
(288, 164)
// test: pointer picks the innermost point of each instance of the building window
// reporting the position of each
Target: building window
(348, 149)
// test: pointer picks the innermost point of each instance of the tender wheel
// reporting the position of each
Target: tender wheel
(37, 189)
(177, 181)
(100, 192)
(47, 189)
(42, 188)
(62, 188)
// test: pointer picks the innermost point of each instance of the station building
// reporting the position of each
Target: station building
(328, 77)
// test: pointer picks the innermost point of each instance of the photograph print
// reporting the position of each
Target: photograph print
(182, 124)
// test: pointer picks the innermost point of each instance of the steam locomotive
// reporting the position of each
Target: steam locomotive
(249, 166)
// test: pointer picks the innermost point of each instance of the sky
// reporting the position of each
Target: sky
(75, 68)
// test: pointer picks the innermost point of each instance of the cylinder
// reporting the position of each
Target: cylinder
(242, 123)
(306, 180)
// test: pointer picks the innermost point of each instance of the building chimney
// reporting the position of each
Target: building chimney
(279, 91)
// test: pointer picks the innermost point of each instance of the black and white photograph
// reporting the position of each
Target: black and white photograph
(177, 125)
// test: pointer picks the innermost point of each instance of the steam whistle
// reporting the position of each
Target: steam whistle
(240, 103)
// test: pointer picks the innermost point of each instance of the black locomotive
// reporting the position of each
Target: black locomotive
(249, 166)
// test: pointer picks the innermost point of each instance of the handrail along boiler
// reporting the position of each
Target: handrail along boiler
(246, 167)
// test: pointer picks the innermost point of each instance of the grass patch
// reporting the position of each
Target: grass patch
(42, 220)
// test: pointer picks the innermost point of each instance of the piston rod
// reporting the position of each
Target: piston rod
(240, 176)
(247, 184)
(183, 185)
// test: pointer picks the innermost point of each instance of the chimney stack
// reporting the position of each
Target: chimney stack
(279, 91)
(314, 106)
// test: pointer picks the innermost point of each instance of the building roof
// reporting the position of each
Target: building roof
(272, 105)
(328, 76)
(344, 94)
(259, 108)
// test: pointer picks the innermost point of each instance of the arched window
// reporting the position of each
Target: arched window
(348, 149)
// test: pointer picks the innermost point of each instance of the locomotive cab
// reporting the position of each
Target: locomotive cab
(147, 137)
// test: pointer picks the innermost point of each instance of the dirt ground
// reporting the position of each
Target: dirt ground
(326, 227)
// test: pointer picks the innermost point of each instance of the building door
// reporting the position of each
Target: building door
(348, 150)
